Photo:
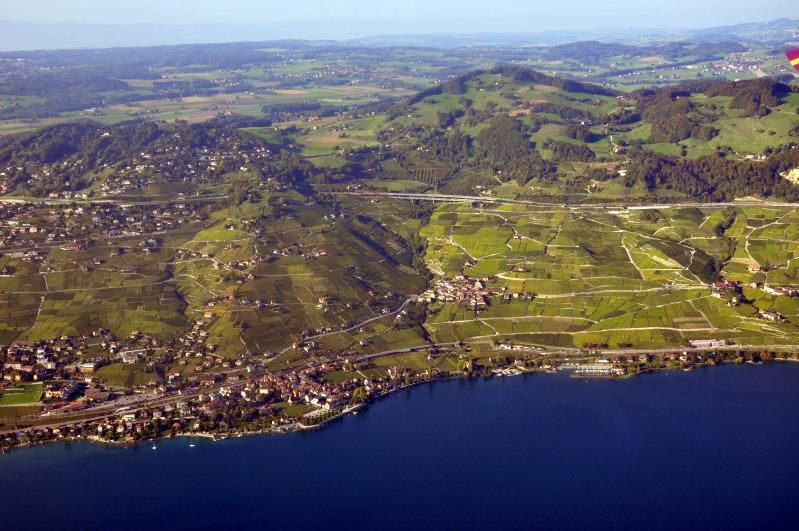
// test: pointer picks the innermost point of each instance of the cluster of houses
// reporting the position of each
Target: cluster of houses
(173, 159)
(306, 387)
(786, 291)
(732, 291)
(75, 359)
(44, 360)
(472, 292)
(227, 401)
(621, 365)
(29, 225)
(195, 343)
(509, 296)
(729, 290)
(73, 395)
(177, 163)
(736, 64)
(184, 254)
(20, 226)
(298, 249)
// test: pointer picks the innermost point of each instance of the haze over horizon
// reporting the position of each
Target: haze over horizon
(48, 24)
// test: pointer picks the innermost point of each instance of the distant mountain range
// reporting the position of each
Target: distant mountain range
(17, 36)
(779, 31)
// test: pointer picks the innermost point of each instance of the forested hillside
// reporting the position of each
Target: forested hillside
(528, 134)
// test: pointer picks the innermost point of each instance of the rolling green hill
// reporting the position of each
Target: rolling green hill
(525, 134)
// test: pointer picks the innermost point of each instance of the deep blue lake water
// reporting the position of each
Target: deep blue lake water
(711, 449)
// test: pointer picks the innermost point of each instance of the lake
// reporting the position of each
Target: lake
(714, 448)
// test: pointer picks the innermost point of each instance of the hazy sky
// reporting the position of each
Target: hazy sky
(450, 15)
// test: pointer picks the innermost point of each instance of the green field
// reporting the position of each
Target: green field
(21, 394)
(612, 278)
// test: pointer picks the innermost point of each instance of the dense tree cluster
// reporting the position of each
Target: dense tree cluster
(452, 147)
(47, 84)
(622, 117)
(447, 118)
(672, 116)
(581, 133)
(505, 147)
(717, 178)
(569, 114)
(755, 96)
(281, 112)
(567, 151)
(728, 216)
(455, 86)
(59, 91)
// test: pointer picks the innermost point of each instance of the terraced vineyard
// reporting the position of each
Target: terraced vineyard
(614, 277)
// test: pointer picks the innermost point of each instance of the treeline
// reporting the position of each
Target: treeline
(458, 85)
(591, 51)
(717, 178)
(95, 145)
(293, 170)
(49, 144)
(282, 112)
(60, 91)
(47, 84)
(621, 117)
(181, 88)
(525, 75)
(138, 60)
(453, 86)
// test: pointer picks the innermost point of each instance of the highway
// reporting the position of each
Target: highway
(453, 198)
(433, 197)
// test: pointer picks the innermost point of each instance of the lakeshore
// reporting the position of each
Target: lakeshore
(319, 418)
(689, 450)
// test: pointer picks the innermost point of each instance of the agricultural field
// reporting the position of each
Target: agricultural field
(575, 278)
(21, 395)
(261, 283)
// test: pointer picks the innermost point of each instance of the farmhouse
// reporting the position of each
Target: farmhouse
(769, 315)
